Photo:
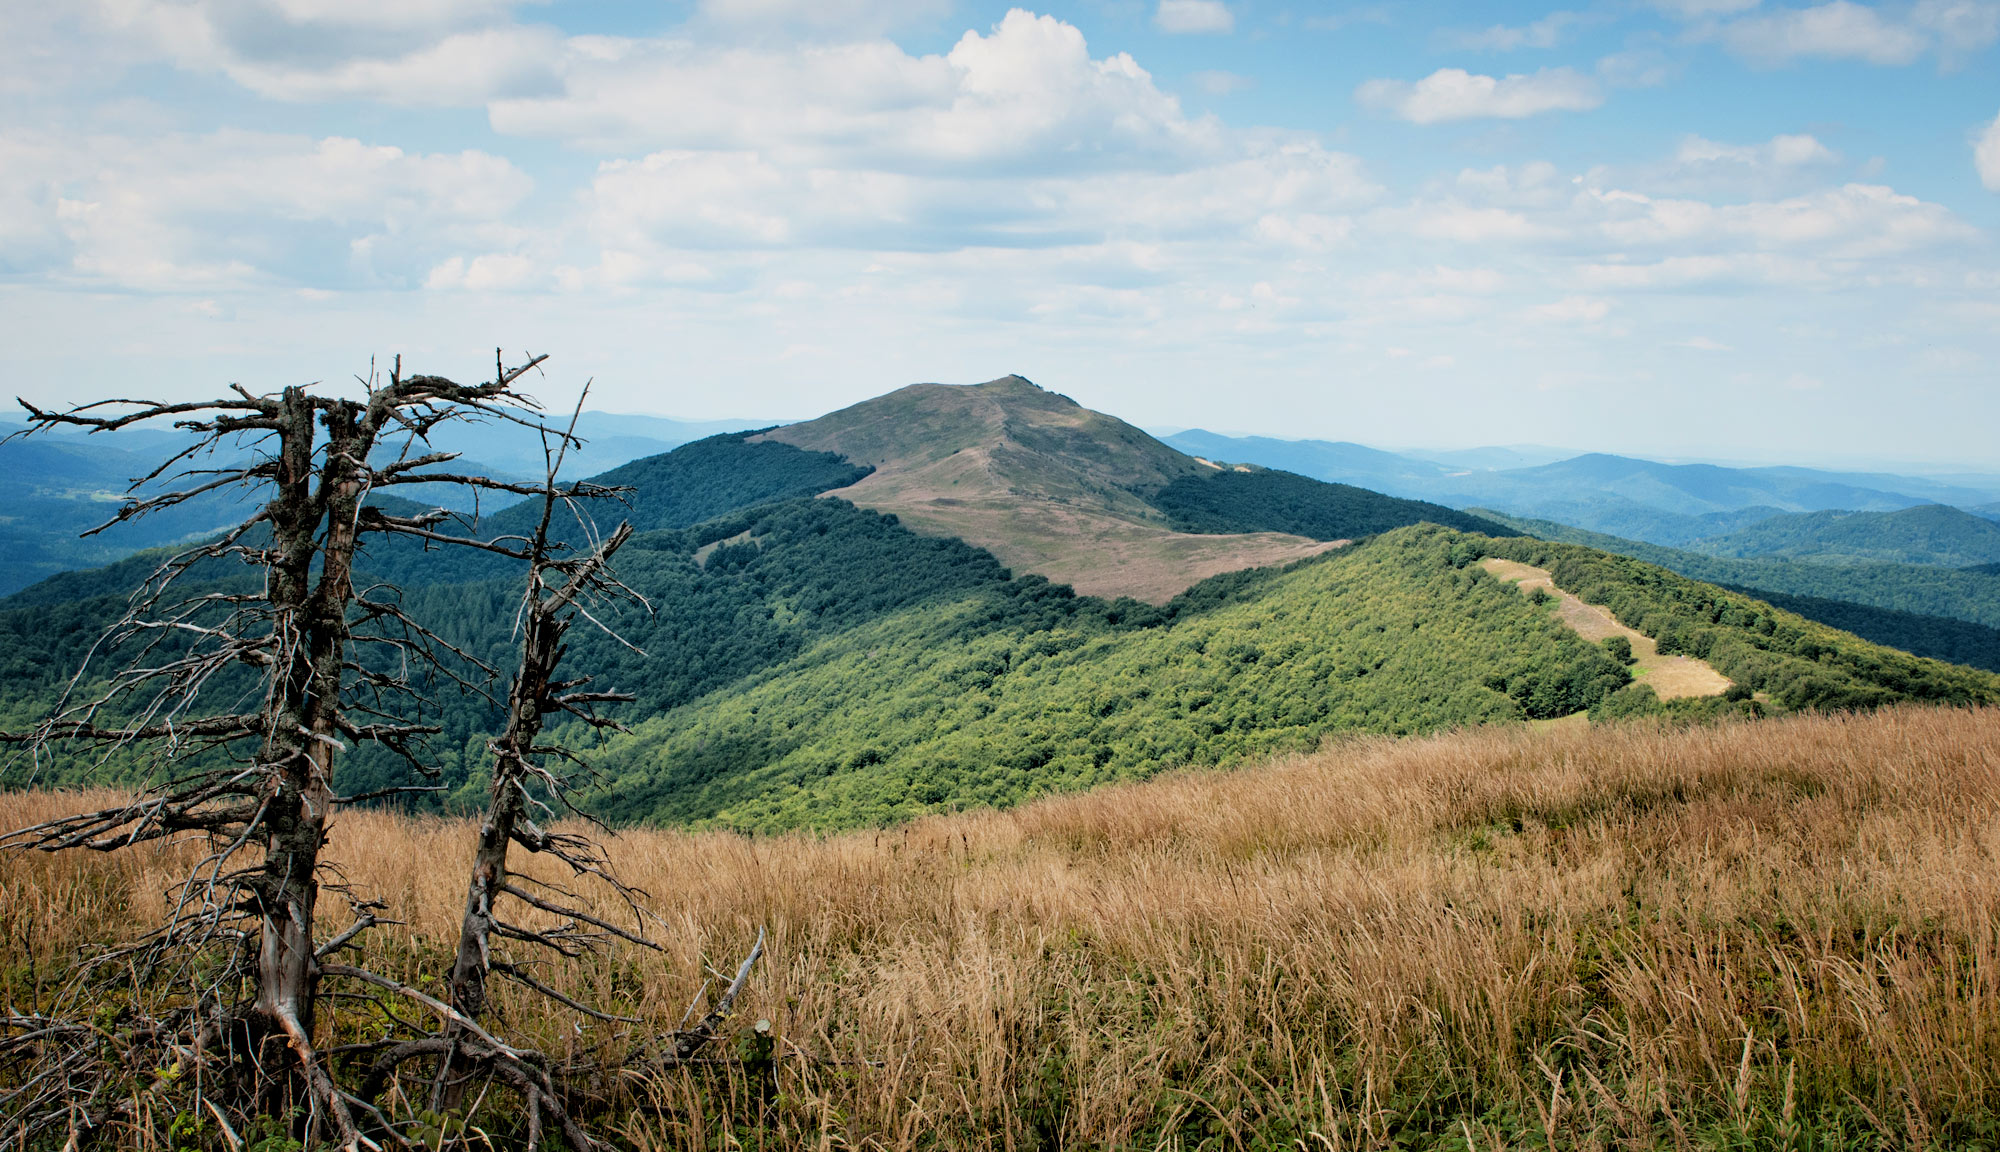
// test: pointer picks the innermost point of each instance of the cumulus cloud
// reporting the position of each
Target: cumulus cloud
(1835, 31)
(1843, 30)
(235, 208)
(1454, 94)
(1194, 17)
(1025, 95)
(450, 52)
(1986, 156)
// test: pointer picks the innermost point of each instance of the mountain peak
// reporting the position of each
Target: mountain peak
(1047, 485)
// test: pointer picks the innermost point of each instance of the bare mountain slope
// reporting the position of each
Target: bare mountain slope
(1045, 484)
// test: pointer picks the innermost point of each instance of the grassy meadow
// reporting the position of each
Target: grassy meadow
(1779, 934)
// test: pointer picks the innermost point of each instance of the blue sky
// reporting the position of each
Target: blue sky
(1681, 228)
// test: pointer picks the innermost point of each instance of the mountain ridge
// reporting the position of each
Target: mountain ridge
(1045, 484)
(804, 660)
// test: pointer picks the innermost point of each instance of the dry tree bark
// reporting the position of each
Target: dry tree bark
(262, 776)
(310, 464)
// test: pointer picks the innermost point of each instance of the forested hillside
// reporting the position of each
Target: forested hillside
(803, 661)
(1269, 500)
(1970, 594)
(1025, 689)
(1797, 663)
(1022, 688)
(1925, 534)
(1938, 637)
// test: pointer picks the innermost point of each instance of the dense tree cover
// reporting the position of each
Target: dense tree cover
(1024, 689)
(1268, 500)
(1971, 594)
(708, 478)
(47, 629)
(1937, 637)
(1796, 662)
(1925, 534)
(693, 483)
(730, 598)
(807, 662)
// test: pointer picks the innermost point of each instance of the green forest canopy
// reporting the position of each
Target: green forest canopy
(807, 662)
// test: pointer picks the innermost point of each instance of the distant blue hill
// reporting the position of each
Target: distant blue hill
(57, 485)
(1675, 505)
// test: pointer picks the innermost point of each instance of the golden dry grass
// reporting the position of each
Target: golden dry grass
(1784, 933)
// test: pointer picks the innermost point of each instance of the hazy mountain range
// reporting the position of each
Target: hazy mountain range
(1672, 504)
(56, 486)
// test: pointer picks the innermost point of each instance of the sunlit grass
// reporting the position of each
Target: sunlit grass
(1784, 933)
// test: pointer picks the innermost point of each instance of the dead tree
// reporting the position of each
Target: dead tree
(533, 781)
(259, 776)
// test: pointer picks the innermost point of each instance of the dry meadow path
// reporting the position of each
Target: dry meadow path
(1671, 677)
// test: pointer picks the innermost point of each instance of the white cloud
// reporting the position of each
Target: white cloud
(1855, 221)
(1682, 272)
(1715, 170)
(463, 70)
(1847, 31)
(496, 271)
(454, 52)
(1473, 226)
(1025, 96)
(1986, 156)
(1454, 94)
(1961, 27)
(1293, 196)
(1780, 151)
(233, 208)
(1636, 68)
(1192, 17)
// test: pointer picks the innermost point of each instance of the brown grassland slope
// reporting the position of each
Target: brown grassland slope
(1775, 934)
(1036, 479)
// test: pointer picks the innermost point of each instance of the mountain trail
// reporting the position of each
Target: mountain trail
(1670, 676)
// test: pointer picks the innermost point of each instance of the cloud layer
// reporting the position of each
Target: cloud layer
(1455, 94)
(782, 190)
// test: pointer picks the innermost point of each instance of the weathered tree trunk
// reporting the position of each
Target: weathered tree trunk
(305, 714)
(540, 650)
(312, 473)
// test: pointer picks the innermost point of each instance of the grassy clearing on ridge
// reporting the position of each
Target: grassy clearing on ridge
(1670, 677)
